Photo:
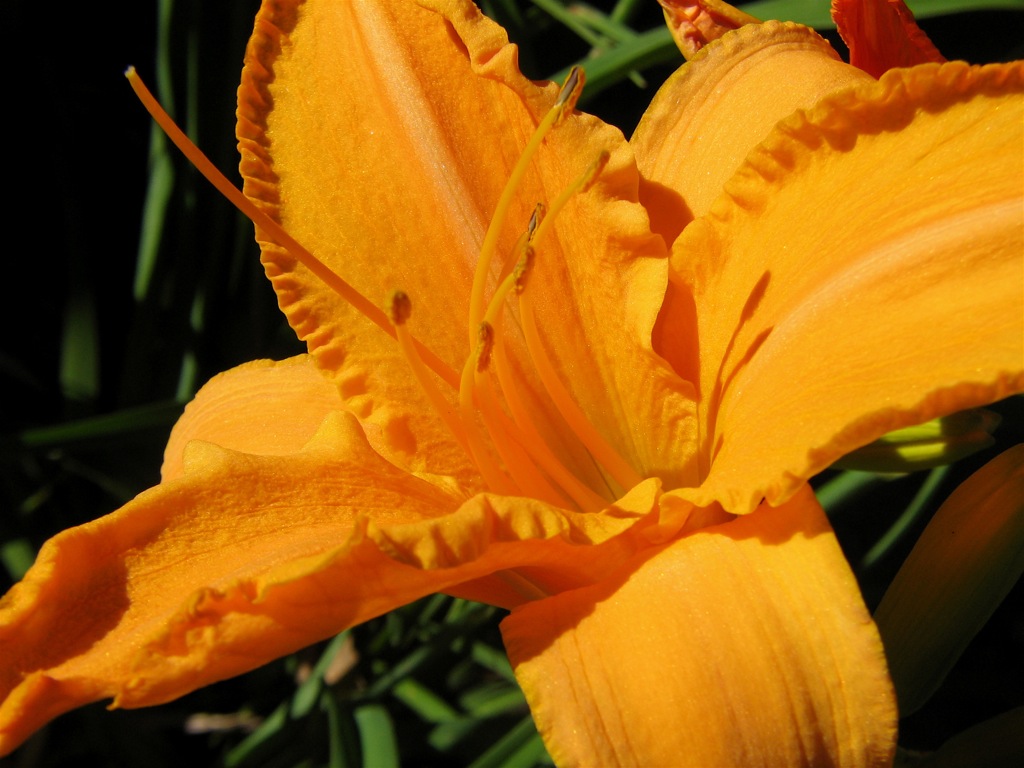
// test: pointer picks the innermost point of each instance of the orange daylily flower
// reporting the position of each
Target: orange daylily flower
(713, 312)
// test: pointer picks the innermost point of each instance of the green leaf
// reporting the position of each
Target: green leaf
(493, 659)
(424, 702)
(308, 692)
(108, 425)
(521, 747)
(17, 556)
(493, 699)
(377, 736)
(267, 730)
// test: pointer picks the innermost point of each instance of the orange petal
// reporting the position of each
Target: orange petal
(882, 34)
(862, 273)
(381, 135)
(743, 644)
(83, 623)
(695, 23)
(718, 107)
(262, 407)
(245, 558)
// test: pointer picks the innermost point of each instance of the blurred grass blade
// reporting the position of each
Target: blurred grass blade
(104, 426)
(647, 49)
(154, 212)
(921, 501)
(308, 692)
(624, 10)
(815, 13)
(493, 659)
(424, 702)
(571, 20)
(492, 699)
(17, 555)
(602, 23)
(843, 488)
(267, 730)
(341, 736)
(377, 736)
(80, 345)
(521, 747)
(161, 169)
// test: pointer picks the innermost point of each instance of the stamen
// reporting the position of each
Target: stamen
(400, 308)
(525, 434)
(564, 103)
(522, 429)
(504, 436)
(275, 231)
(599, 448)
(510, 445)
(494, 477)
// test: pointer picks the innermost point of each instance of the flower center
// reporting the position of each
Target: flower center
(506, 447)
(521, 462)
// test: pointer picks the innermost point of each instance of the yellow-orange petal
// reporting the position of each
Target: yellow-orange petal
(695, 23)
(742, 644)
(719, 106)
(381, 134)
(263, 407)
(882, 34)
(78, 627)
(864, 272)
(245, 558)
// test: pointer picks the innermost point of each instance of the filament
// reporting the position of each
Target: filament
(566, 100)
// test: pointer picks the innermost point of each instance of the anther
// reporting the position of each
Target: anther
(522, 269)
(399, 310)
(399, 307)
(535, 219)
(485, 343)
(571, 89)
(521, 428)
(563, 105)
